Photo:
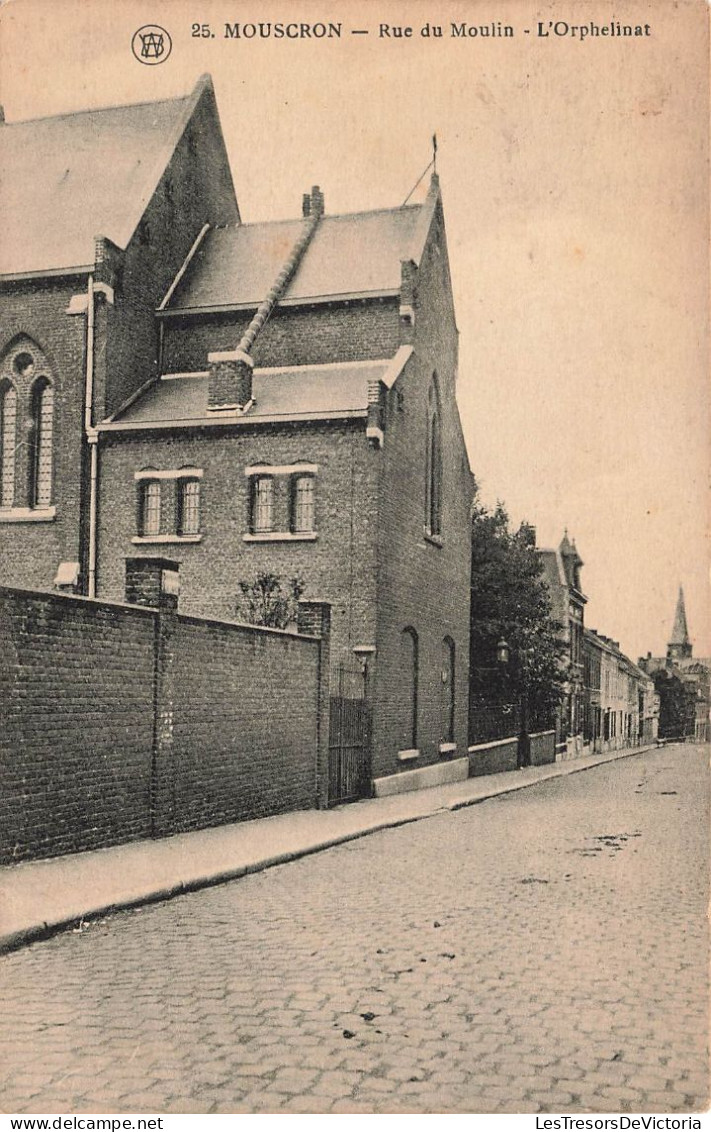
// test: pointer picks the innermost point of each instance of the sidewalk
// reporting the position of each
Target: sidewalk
(39, 897)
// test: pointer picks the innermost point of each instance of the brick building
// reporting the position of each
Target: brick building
(243, 397)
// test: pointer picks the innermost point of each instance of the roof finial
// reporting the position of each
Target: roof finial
(434, 154)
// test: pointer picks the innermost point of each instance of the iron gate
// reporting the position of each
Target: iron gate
(349, 737)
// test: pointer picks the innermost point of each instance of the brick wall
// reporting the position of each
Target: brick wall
(293, 335)
(245, 723)
(421, 584)
(76, 732)
(337, 567)
(31, 551)
(493, 757)
(195, 188)
(502, 754)
(117, 722)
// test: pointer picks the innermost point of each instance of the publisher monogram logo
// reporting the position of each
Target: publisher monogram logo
(151, 44)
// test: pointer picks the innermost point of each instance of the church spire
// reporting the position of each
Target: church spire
(679, 646)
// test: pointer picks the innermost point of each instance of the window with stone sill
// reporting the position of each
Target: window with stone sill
(188, 506)
(149, 508)
(262, 517)
(169, 505)
(8, 442)
(26, 433)
(282, 502)
(302, 504)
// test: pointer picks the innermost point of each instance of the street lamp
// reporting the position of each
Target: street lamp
(523, 753)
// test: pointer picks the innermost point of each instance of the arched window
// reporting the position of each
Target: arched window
(8, 443)
(433, 502)
(409, 658)
(447, 697)
(40, 446)
(188, 506)
(302, 505)
(150, 501)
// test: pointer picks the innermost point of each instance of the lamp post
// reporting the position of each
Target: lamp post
(503, 656)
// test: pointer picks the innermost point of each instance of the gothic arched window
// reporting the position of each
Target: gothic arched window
(8, 442)
(433, 494)
(40, 444)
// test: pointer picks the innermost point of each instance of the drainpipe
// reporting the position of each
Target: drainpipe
(92, 437)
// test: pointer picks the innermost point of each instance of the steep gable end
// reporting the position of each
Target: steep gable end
(66, 179)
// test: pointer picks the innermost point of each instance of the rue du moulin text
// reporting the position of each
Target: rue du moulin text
(544, 29)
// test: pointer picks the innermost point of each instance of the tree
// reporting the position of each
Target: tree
(677, 706)
(270, 600)
(510, 601)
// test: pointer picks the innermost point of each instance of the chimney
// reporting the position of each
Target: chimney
(306, 204)
(230, 382)
(2, 114)
(317, 202)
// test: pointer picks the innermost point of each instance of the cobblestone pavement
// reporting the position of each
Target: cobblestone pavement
(541, 952)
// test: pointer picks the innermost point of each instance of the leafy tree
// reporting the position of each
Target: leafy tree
(510, 600)
(677, 708)
(270, 600)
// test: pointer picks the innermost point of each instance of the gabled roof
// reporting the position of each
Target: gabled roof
(320, 392)
(357, 254)
(66, 179)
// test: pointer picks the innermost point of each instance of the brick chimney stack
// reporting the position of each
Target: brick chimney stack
(230, 382)
(317, 202)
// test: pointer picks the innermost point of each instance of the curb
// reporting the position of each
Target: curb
(570, 768)
(46, 929)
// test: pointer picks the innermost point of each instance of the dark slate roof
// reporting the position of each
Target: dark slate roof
(354, 254)
(293, 393)
(66, 179)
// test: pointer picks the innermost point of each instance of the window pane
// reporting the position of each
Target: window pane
(304, 504)
(263, 504)
(150, 517)
(8, 418)
(189, 507)
(44, 448)
(40, 493)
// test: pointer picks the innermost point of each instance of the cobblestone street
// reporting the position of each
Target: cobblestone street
(541, 952)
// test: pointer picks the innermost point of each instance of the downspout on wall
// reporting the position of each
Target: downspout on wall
(92, 436)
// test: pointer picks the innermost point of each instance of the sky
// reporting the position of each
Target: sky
(574, 176)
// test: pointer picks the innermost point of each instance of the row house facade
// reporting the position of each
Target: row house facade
(620, 704)
(244, 399)
(561, 571)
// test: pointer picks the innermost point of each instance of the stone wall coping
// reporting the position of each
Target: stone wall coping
(191, 618)
(511, 739)
(79, 599)
(152, 611)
